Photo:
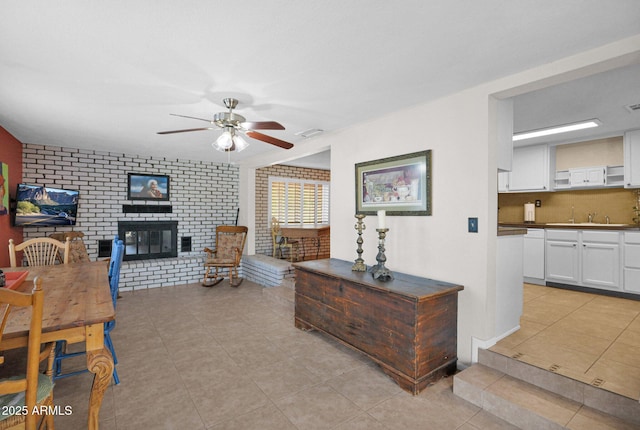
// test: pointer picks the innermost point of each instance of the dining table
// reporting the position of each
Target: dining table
(307, 232)
(77, 303)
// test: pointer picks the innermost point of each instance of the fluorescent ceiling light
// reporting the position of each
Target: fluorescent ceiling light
(557, 129)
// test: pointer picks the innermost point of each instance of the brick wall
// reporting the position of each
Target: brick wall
(203, 195)
(263, 223)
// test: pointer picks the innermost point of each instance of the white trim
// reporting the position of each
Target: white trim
(486, 344)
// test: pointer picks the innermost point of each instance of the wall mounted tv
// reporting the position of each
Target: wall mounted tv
(38, 206)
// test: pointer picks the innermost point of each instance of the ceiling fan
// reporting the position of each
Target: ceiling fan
(232, 123)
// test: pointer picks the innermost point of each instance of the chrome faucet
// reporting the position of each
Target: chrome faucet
(606, 219)
(590, 217)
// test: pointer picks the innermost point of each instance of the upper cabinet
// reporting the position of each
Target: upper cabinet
(632, 159)
(530, 169)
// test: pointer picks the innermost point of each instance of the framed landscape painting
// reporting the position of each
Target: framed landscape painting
(399, 185)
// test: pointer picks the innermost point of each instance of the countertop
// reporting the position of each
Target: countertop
(576, 226)
(511, 231)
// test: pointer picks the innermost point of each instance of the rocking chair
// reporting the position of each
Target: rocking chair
(227, 254)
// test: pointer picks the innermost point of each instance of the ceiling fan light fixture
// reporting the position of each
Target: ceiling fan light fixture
(557, 129)
(240, 143)
(224, 142)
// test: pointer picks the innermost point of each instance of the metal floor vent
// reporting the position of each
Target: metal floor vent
(517, 355)
(554, 368)
(633, 108)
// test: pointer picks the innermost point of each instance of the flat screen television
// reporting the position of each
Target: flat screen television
(38, 206)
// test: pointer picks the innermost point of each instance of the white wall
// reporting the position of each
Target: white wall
(461, 131)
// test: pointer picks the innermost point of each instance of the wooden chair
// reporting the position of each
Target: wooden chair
(77, 249)
(280, 242)
(227, 254)
(115, 263)
(32, 390)
(41, 251)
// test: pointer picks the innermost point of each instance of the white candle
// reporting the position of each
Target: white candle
(381, 219)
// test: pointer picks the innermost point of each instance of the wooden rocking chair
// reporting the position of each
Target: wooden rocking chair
(227, 254)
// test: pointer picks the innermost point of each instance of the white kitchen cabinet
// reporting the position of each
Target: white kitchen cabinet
(562, 257)
(600, 259)
(533, 259)
(503, 182)
(632, 159)
(587, 177)
(530, 169)
(631, 262)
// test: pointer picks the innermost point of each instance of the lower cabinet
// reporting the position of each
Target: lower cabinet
(632, 262)
(601, 259)
(586, 258)
(562, 257)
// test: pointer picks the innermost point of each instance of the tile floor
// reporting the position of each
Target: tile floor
(591, 338)
(224, 358)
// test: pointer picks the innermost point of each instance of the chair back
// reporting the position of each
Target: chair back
(275, 230)
(115, 263)
(41, 251)
(230, 241)
(28, 384)
(77, 249)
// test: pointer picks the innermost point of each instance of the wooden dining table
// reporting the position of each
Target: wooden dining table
(77, 303)
(312, 232)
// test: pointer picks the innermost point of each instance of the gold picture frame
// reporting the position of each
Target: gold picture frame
(400, 185)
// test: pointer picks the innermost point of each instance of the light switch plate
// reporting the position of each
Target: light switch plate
(473, 225)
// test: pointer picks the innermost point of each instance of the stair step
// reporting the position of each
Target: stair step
(527, 406)
(585, 394)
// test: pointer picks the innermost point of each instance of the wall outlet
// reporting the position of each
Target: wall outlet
(473, 225)
(538, 203)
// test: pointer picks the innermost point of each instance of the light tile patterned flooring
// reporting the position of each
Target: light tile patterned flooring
(225, 358)
(591, 338)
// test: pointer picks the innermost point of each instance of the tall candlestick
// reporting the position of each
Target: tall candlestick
(381, 219)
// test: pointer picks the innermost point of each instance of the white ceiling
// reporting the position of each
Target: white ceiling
(107, 75)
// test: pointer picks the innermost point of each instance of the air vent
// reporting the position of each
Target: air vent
(309, 133)
(633, 107)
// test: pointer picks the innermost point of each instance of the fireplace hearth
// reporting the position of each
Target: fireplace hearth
(145, 240)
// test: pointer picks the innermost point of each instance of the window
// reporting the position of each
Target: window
(298, 202)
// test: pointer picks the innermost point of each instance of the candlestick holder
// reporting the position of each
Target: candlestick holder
(359, 265)
(379, 271)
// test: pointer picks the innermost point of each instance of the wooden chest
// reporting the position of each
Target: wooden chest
(408, 325)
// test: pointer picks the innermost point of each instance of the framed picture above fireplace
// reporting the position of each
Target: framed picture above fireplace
(141, 186)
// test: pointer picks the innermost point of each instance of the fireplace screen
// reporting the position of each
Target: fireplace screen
(149, 239)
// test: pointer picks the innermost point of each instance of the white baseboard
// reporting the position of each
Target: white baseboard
(486, 344)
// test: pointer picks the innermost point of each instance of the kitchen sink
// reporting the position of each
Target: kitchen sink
(577, 224)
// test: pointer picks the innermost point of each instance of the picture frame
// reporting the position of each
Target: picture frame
(400, 185)
(143, 186)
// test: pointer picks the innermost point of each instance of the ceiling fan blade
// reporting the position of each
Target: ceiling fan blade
(188, 129)
(269, 139)
(262, 125)
(192, 117)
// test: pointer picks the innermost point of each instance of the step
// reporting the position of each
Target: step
(533, 398)
(528, 406)
(588, 395)
(266, 270)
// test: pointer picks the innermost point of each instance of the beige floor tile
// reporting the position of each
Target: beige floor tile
(361, 422)
(590, 419)
(616, 377)
(623, 353)
(582, 324)
(264, 418)
(282, 378)
(630, 337)
(558, 355)
(572, 340)
(365, 386)
(544, 313)
(319, 407)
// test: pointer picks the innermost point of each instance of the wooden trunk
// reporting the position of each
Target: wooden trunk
(408, 325)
